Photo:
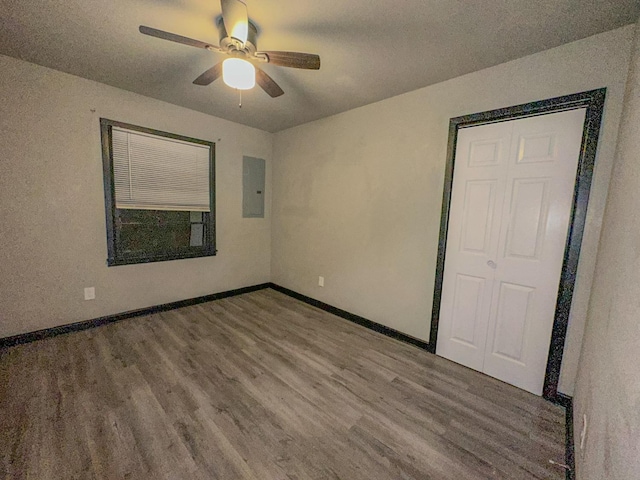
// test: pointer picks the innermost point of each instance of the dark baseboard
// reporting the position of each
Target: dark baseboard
(389, 332)
(563, 400)
(96, 322)
(567, 402)
(570, 458)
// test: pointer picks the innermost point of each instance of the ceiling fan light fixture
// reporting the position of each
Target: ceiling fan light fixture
(238, 37)
(238, 73)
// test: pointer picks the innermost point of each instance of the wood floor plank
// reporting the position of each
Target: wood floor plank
(260, 387)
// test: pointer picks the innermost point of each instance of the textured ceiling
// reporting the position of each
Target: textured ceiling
(370, 49)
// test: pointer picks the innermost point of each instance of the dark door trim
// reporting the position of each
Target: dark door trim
(593, 100)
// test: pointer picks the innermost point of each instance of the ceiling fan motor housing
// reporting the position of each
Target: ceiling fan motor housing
(235, 47)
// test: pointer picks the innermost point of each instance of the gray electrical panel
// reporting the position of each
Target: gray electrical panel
(253, 171)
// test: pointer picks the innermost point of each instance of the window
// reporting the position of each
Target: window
(159, 194)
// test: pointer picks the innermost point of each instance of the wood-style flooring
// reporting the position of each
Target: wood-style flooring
(261, 386)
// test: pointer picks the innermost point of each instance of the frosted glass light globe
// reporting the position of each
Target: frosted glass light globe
(238, 73)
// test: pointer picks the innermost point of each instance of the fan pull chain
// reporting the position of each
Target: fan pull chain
(240, 101)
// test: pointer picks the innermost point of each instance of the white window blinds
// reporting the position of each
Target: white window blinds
(157, 173)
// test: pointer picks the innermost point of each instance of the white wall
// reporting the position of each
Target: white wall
(52, 217)
(357, 196)
(608, 386)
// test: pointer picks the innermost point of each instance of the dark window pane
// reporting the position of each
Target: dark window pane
(144, 232)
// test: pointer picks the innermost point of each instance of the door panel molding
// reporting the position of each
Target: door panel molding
(593, 101)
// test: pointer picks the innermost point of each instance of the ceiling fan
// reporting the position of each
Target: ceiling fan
(238, 37)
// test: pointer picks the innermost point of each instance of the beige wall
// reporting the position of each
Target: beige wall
(52, 220)
(608, 386)
(357, 196)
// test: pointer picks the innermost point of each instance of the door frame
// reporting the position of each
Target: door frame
(593, 100)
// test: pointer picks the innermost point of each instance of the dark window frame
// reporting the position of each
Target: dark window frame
(114, 257)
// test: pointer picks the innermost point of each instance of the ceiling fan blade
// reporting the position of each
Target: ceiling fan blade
(210, 75)
(236, 19)
(176, 38)
(307, 61)
(268, 84)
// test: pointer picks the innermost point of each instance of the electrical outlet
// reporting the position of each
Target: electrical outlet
(583, 433)
(90, 293)
(321, 281)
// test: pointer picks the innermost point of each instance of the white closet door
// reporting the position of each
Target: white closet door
(523, 260)
(535, 224)
(474, 225)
